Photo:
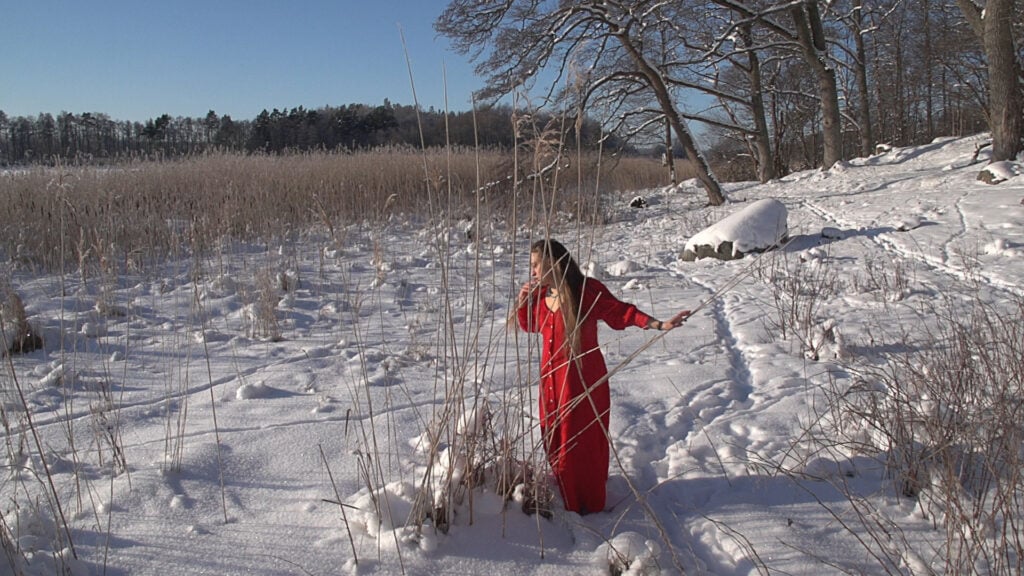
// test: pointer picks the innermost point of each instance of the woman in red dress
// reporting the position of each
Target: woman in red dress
(564, 306)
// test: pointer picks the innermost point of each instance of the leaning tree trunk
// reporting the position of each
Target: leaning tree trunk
(657, 83)
(704, 174)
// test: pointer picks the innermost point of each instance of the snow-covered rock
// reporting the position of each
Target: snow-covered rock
(997, 172)
(757, 227)
(833, 233)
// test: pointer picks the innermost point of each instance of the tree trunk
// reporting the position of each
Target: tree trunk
(927, 58)
(866, 134)
(762, 142)
(812, 40)
(1003, 80)
(670, 162)
(995, 30)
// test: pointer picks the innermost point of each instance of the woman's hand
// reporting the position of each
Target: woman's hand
(524, 293)
(676, 321)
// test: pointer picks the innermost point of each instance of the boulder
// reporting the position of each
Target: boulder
(638, 202)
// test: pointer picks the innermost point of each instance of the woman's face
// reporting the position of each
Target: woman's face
(540, 271)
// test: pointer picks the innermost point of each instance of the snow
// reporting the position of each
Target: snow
(180, 440)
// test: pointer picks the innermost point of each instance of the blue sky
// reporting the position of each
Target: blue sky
(136, 60)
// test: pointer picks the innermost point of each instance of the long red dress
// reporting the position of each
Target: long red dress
(573, 425)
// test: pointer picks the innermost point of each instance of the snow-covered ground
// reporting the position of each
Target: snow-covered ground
(180, 439)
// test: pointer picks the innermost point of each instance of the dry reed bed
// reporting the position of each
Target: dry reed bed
(141, 213)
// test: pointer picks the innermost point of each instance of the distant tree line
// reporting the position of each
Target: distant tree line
(96, 137)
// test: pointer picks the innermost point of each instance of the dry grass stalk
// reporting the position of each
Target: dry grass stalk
(16, 332)
(263, 321)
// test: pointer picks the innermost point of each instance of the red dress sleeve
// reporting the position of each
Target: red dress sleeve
(615, 313)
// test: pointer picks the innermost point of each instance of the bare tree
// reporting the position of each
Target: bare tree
(811, 38)
(761, 142)
(799, 23)
(743, 102)
(992, 22)
(603, 43)
(695, 48)
(919, 86)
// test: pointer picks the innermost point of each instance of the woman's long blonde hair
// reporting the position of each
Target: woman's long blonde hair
(568, 281)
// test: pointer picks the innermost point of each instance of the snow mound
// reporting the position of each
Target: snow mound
(55, 375)
(758, 227)
(383, 511)
(623, 267)
(628, 553)
(592, 270)
(253, 391)
(998, 247)
(908, 222)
